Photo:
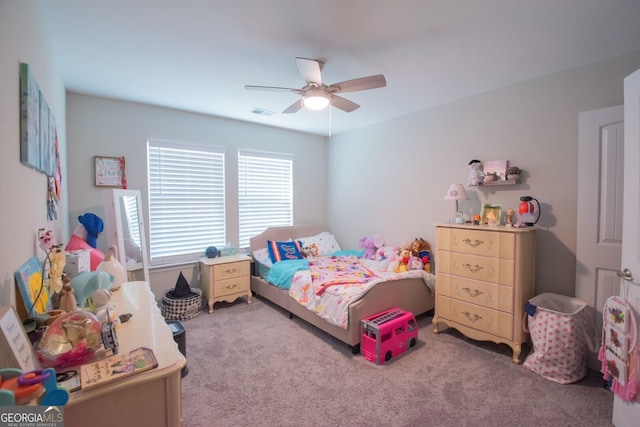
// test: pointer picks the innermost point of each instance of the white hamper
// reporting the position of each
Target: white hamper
(559, 327)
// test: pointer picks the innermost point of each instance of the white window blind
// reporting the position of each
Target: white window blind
(186, 201)
(265, 192)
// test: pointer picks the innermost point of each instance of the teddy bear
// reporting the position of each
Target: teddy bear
(421, 249)
(403, 258)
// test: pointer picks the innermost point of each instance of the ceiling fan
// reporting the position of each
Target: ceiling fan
(316, 95)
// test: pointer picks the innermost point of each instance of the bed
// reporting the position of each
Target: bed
(411, 294)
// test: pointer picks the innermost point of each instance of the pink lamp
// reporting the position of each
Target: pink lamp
(456, 192)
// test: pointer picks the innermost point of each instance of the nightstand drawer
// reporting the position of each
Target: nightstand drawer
(481, 293)
(230, 286)
(477, 242)
(493, 270)
(230, 270)
(494, 322)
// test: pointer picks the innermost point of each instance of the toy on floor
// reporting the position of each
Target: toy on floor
(387, 334)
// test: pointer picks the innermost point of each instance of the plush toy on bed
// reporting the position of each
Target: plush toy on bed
(404, 257)
(371, 245)
(422, 249)
(310, 251)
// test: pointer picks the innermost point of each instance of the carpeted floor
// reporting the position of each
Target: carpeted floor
(252, 365)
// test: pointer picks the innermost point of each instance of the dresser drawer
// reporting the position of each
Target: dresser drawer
(230, 286)
(481, 293)
(231, 269)
(493, 270)
(477, 242)
(483, 319)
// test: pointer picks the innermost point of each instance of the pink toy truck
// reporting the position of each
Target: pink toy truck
(387, 334)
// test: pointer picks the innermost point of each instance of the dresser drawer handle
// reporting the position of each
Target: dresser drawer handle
(229, 287)
(472, 294)
(473, 243)
(473, 268)
(472, 318)
(231, 270)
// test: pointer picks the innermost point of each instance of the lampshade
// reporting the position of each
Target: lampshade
(316, 99)
(456, 192)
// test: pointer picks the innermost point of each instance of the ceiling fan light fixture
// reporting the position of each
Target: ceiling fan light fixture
(315, 99)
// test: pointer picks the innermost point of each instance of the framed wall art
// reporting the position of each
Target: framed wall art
(109, 172)
(29, 118)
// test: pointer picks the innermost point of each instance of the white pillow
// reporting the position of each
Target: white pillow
(325, 241)
(262, 256)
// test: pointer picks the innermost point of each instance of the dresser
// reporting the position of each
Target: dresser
(152, 398)
(225, 278)
(484, 277)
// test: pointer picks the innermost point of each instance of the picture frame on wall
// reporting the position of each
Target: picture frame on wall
(29, 119)
(109, 171)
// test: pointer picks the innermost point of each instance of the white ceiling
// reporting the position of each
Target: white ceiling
(197, 55)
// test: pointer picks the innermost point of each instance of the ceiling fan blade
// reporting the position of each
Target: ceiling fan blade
(343, 103)
(273, 88)
(293, 108)
(363, 83)
(310, 69)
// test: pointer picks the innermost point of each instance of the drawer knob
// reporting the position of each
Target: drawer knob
(473, 243)
(472, 293)
(473, 318)
(472, 268)
(235, 285)
(231, 270)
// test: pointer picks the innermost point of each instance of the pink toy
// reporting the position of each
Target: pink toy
(371, 245)
(387, 334)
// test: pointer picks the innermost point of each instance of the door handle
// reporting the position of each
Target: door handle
(625, 274)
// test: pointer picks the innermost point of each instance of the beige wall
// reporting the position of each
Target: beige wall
(533, 124)
(106, 127)
(23, 191)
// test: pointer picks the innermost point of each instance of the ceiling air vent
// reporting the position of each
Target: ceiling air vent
(262, 112)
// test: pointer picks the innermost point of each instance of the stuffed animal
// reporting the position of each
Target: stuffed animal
(405, 255)
(371, 245)
(415, 263)
(476, 176)
(310, 251)
(422, 249)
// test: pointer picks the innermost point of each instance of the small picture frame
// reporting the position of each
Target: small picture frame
(109, 171)
(491, 214)
(16, 350)
(498, 167)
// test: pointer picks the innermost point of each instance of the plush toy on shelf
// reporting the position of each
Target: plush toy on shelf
(476, 175)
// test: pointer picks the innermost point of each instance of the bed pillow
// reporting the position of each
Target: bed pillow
(325, 241)
(263, 262)
(261, 256)
(279, 251)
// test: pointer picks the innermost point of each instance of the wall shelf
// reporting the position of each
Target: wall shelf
(501, 182)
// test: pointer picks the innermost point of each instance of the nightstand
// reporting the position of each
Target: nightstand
(225, 278)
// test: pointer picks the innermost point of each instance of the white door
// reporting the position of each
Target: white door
(627, 414)
(599, 221)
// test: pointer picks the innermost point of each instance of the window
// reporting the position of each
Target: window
(265, 192)
(186, 201)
